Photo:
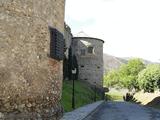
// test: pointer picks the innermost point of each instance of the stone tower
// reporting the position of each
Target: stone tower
(30, 81)
(89, 53)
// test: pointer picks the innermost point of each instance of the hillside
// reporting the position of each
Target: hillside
(111, 62)
(83, 94)
(144, 60)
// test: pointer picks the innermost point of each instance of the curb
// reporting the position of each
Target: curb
(94, 111)
(84, 112)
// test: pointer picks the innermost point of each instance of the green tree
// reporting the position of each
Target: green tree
(126, 76)
(149, 78)
(111, 79)
(128, 73)
(135, 66)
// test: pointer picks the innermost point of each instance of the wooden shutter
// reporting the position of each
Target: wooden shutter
(56, 44)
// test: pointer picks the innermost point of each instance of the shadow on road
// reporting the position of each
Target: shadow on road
(154, 103)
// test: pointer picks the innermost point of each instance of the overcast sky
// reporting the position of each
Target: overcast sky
(130, 28)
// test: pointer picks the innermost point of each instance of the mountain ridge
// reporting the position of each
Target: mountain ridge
(112, 62)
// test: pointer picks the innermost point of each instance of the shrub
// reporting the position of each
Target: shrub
(149, 78)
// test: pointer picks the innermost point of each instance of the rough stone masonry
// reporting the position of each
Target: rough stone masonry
(30, 81)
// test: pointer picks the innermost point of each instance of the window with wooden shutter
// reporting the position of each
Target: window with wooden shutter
(56, 44)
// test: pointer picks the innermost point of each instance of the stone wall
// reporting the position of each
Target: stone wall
(30, 81)
(90, 65)
(68, 39)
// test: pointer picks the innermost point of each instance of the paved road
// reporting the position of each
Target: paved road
(125, 111)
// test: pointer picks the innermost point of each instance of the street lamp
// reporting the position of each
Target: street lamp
(74, 71)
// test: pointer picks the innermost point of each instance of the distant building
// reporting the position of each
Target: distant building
(89, 54)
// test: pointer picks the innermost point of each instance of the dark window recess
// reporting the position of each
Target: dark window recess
(83, 52)
(75, 43)
(98, 67)
(57, 44)
(82, 66)
(85, 79)
(90, 50)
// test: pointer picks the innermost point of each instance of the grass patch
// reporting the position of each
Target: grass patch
(83, 94)
(114, 96)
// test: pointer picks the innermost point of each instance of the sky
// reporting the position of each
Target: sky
(130, 28)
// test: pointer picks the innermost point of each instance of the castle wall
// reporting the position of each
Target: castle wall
(68, 39)
(90, 65)
(30, 81)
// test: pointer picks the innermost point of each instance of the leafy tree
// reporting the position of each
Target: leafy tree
(129, 73)
(135, 66)
(126, 76)
(112, 78)
(149, 78)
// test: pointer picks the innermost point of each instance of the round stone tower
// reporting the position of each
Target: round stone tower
(89, 53)
(30, 79)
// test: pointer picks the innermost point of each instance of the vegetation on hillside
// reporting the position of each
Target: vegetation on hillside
(149, 78)
(135, 75)
(84, 94)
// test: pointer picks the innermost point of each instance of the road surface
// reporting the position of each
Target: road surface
(124, 111)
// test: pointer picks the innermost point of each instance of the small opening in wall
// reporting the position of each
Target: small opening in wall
(83, 52)
(75, 43)
(85, 79)
(82, 66)
(90, 50)
(98, 67)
